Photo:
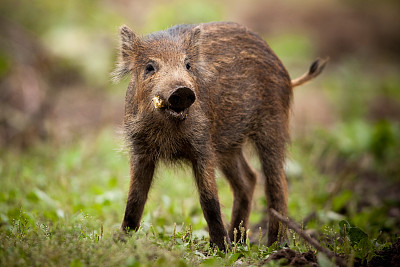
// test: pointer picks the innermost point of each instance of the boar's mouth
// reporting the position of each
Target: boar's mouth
(177, 113)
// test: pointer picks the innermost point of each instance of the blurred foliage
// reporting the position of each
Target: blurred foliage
(183, 12)
(76, 30)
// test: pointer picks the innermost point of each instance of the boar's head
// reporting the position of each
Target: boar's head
(162, 69)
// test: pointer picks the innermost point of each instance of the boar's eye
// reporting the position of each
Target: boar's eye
(149, 68)
(188, 66)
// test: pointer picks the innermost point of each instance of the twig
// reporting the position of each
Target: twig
(295, 227)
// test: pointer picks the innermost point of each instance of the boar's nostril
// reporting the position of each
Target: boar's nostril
(181, 99)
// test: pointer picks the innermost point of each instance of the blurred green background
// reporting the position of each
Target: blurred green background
(62, 157)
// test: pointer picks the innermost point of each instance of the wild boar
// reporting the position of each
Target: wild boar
(197, 93)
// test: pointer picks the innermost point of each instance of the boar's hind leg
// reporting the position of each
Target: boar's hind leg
(242, 181)
(207, 187)
(271, 154)
(142, 171)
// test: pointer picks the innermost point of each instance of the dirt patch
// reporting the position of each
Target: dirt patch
(386, 257)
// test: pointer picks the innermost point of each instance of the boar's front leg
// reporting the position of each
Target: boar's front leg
(142, 170)
(207, 187)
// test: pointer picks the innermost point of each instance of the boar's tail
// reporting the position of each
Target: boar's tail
(315, 69)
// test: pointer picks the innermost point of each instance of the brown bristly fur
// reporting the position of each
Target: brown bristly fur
(239, 91)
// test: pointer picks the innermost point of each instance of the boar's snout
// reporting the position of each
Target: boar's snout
(177, 104)
(181, 99)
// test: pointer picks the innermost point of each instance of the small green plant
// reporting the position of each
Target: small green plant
(357, 243)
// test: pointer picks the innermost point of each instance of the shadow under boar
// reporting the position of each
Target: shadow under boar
(197, 93)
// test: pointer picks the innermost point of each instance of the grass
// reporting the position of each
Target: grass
(63, 204)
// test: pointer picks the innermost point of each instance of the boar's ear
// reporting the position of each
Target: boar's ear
(129, 46)
(191, 42)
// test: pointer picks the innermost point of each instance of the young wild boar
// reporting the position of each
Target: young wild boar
(197, 93)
